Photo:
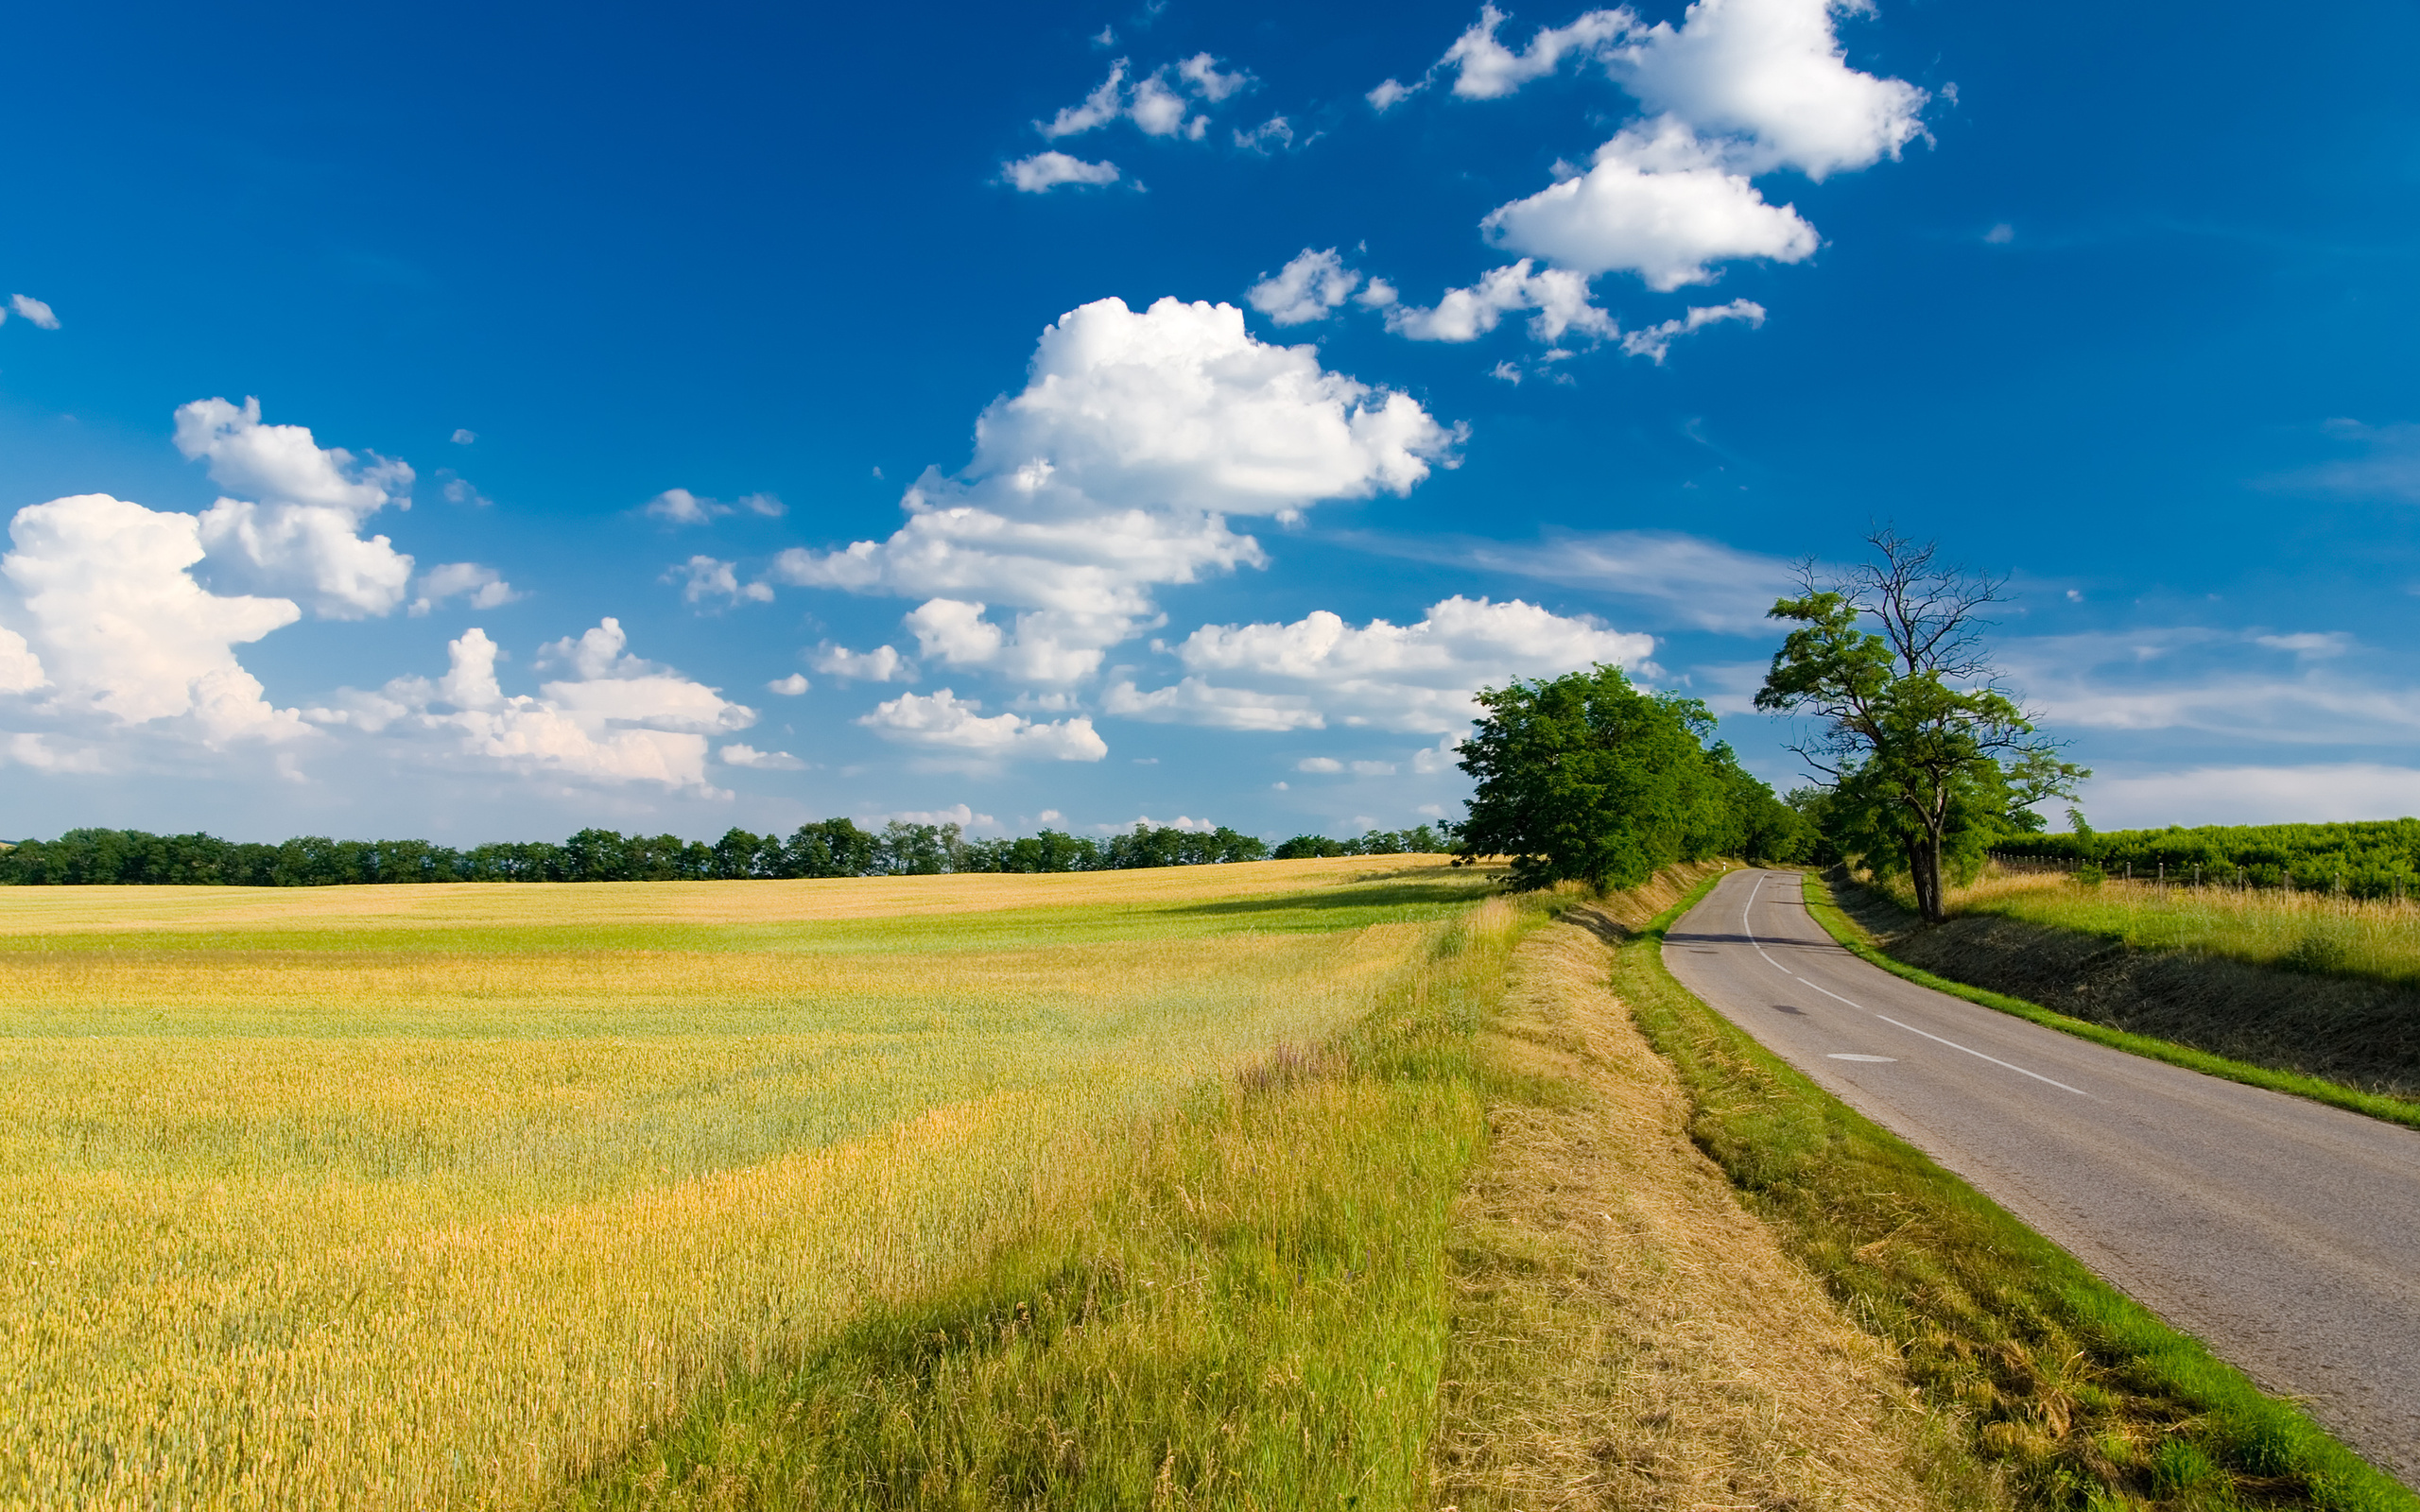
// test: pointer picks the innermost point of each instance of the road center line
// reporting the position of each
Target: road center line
(1745, 928)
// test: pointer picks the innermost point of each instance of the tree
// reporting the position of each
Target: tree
(1925, 756)
(1585, 778)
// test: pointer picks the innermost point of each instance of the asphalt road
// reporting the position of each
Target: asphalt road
(2283, 1233)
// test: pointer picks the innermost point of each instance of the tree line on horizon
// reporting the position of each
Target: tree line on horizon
(829, 848)
(2368, 858)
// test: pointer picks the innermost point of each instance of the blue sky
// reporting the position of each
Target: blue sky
(1498, 344)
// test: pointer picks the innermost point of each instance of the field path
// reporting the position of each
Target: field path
(2284, 1233)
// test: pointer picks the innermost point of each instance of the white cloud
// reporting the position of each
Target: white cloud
(944, 721)
(1682, 579)
(482, 586)
(34, 310)
(1200, 73)
(2215, 682)
(1180, 822)
(120, 627)
(704, 577)
(37, 753)
(954, 631)
(1276, 134)
(1770, 75)
(2001, 235)
(1658, 202)
(619, 719)
(789, 687)
(1115, 470)
(882, 665)
(20, 669)
(679, 507)
(1414, 677)
(457, 490)
(1158, 110)
(2253, 795)
(464, 437)
(736, 754)
(1655, 340)
(1045, 171)
(1103, 106)
(1560, 299)
(300, 529)
(2388, 467)
(2308, 644)
(1304, 289)
(1391, 93)
(1319, 765)
(1442, 757)
(1485, 69)
(958, 814)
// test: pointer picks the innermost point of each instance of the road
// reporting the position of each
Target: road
(2283, 1233)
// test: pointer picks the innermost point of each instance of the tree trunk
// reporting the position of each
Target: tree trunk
(1924, 869)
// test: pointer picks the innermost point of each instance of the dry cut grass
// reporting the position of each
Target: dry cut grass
(405, 1197)
(1626, 1334)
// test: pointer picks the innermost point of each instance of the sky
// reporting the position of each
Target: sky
(479, 422)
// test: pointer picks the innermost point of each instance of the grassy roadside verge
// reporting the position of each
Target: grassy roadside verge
(2079, 1397)
(1252, 1314)
(1853, 938)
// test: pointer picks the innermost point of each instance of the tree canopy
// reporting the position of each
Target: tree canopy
(1927, 758)
(1585, 778)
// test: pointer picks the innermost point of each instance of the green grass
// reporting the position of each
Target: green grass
(2079, 1396)
(1854, 938)
(1253, 1316)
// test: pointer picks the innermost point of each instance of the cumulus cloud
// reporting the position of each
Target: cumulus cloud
(1485, 69)
(944, 721)
(481, 586)
(1276, 134)
(702, 578)
(616, 719)
(1117, 468)
(117, 626)
(1202, 75)
(1770, 75)
(1045, 171)
(1154, 102)
(33, 310)
(299, 531)
(464, 437)
(1655, 340)
(1413, 678)
(1391, 93)
(1560, 299)
(1305, 289)
(789, 687)
(736, 754)
(882, 665)
(1658, 202)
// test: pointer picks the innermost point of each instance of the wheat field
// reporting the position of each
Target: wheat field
(436, 1195)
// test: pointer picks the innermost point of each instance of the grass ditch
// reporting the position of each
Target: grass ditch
(2074, 1396)
(1856, 937)
(1252, 1315)
(1625, 1333)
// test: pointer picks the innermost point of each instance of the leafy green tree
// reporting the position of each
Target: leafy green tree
(1925, 757)
(1585, 778)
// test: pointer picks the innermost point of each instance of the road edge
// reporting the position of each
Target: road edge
(1852, 936)
(2071, 1389)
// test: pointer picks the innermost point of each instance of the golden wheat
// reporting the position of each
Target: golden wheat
(421, 1196)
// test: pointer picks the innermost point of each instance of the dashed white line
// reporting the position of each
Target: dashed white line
(1745, 928)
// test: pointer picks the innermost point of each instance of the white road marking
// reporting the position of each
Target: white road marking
(1746, 929)
(1878, 1061)
(1979, 1056)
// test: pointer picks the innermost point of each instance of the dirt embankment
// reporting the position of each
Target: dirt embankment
(2364, 1035)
